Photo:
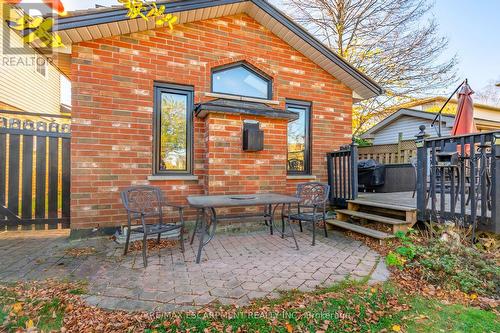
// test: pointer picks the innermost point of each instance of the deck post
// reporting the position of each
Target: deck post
(421, 173)
(354, 170)
(495, 182)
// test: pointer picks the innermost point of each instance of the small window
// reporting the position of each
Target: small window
(241, 80)
(173, 129)
(41, 66)
(299, 139)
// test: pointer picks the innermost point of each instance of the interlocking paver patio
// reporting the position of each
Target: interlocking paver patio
(235, 268)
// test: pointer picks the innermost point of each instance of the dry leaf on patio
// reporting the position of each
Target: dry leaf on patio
(80, 252)
(153, 245)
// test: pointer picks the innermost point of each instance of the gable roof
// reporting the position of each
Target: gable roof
(448, 120)
(104, 22)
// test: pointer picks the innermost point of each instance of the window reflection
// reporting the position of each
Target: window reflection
(298, 144)
(173, 132)
(242, 81)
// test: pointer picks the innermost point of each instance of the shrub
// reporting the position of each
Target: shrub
(456, 266)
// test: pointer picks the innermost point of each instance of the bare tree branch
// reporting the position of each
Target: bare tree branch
(395, 42)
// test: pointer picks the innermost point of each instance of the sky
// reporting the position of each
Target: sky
(472, 28)
(473, 31)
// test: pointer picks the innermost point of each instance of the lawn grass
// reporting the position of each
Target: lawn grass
(49, 315)
(345, 307)
(355, 307)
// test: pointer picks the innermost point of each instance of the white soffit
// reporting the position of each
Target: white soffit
(360, 91)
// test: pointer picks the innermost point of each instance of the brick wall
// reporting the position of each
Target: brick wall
(113, 107)
(231, 170)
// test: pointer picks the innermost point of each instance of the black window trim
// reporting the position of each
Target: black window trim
(159, 88)
(249, 67)
(308, 146)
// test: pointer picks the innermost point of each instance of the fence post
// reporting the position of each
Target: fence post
(400, 145)
(421, 173)
(354, 170)
(495, 182)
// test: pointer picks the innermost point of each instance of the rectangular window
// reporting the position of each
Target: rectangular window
(299, 139)
(41, 66)
(173, 129)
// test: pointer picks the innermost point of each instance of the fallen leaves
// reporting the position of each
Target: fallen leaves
(17, 308)
(78, 316)
(80, 252)
(396, 328)
(153, 245)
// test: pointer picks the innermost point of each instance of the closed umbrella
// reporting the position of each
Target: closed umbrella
(464, 121)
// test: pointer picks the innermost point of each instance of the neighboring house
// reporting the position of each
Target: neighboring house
(404, 124)
(29, 82)
(167, 108)
(487, 117)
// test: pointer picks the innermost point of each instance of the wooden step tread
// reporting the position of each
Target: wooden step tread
(360, 230)
(373, 217)
(382, 205)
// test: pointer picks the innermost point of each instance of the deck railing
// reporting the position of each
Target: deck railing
(458, 179)
(343, 175)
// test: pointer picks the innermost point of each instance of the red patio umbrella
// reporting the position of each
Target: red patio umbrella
(464, 121)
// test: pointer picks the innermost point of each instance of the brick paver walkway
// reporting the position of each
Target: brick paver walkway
(235, 268)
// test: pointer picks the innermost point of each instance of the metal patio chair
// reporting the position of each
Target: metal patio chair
(312, 207)
(145, 204)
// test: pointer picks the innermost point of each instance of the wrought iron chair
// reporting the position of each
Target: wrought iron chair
(295, 165)
(145, 204)
(312, 207)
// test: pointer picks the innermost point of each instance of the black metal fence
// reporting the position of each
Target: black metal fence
(343, 175)
(458, 179)
(34, 174)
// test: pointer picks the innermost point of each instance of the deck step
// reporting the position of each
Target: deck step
(382, 205)
(360, 230)
(372, 217)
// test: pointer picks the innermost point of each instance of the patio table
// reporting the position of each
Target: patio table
(208, 204)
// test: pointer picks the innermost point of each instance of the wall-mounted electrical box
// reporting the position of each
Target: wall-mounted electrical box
(253, 136)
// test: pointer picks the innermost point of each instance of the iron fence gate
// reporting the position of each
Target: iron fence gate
(34, 175)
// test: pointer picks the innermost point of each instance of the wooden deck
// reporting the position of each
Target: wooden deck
(404, 199)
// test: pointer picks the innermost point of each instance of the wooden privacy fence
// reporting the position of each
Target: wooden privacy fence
(34, 174)
(458, 178)
(397, 153)
(343, 175)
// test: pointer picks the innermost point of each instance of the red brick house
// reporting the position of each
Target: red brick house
(168, 108)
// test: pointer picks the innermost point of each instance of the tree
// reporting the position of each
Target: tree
(395, 42)
(490, 94)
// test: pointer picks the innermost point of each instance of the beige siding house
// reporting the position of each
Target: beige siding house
(28, 82)
(487, 117)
